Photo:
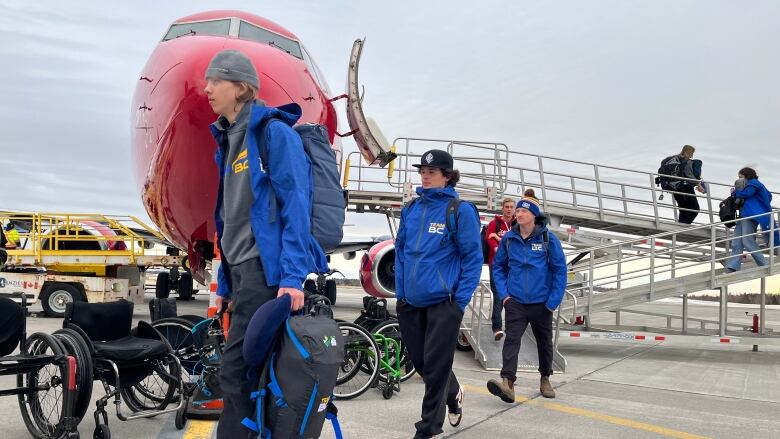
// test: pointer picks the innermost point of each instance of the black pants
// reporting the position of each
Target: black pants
(518, 316)
(430, 335)
(690, 202)
(249, 293)
(496, 323)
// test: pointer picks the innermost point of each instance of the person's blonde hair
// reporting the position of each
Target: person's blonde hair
(249, 93)
(508, 200)
(687, 150)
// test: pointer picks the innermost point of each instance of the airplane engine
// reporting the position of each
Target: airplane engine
(377, 270)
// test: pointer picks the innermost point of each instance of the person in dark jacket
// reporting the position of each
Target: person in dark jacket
(436, 273)
(261, 259)
(687, 202)
(530, 277)
(755, 200)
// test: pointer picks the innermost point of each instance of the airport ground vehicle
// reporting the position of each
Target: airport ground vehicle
(62, 258)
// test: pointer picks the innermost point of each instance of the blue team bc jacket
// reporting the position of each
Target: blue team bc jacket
(523, 271)
(758, 200)
(288, 250)
(432, 265)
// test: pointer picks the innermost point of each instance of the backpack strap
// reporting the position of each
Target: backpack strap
(332, 415)
(546, 244)
(263, 146)
(451, 220)
(258, 424)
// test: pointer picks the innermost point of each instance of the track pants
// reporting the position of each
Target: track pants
(688, 202)
(430, 335)
(496, 323)
(518, 316)
(249, 293)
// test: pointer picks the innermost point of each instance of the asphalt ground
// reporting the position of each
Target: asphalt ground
(682, 387)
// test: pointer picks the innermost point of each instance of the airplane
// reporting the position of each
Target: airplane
(172, 147)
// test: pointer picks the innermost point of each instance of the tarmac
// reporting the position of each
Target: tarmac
(680, 387)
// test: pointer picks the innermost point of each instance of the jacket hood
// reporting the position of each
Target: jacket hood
(437, 192)
(288, 113)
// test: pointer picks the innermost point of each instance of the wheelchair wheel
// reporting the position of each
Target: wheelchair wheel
(360, 368)
(390, 329)
(43, 410)
(156, 390)
(76, 346)
(178, 332)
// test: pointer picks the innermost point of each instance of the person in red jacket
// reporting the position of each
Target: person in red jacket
(495, 231)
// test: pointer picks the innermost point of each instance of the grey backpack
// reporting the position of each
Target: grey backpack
(328, 201)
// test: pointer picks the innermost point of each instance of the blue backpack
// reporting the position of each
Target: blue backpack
(328, 201)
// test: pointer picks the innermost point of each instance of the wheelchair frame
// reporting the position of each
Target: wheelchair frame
(105, 369)
(26, 365)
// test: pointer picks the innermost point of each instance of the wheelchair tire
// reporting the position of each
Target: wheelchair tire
(178, 332)
(360, 369)
(43, 412)
(330, 291)
(310, 285)
(391, 327)
(463, 344)
(155, 391)
(181, 415)
(76, 346)
(102, 432)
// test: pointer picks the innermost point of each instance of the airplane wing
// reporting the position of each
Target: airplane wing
(352, 244)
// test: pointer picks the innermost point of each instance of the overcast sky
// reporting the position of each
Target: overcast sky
(616, 82)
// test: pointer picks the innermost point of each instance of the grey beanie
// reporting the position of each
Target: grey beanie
(232, 65)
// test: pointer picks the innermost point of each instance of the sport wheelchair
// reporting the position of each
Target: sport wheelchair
(45, 375)
(136, 366)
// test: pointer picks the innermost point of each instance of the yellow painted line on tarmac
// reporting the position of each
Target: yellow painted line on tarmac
(594, 415)
(198, 429)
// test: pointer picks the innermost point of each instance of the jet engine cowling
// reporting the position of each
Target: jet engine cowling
(377, 270)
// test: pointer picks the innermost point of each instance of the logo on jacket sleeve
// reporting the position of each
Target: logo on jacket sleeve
(537, 247)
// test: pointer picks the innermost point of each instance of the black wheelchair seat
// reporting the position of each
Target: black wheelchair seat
(11, 325)
(129, 349)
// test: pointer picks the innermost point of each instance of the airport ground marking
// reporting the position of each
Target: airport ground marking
(199, 429)
(636, 425)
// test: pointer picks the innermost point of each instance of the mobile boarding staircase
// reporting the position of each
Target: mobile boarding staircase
(605, 214)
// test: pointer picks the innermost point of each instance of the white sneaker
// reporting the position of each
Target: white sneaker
(455, 414)
(498, 335)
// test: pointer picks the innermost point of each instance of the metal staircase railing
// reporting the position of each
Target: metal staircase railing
(586, 194)
(664, 268)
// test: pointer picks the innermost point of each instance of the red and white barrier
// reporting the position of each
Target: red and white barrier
(615, 336)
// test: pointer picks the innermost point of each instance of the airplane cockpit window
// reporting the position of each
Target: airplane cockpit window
(214, 27)
(249, 31)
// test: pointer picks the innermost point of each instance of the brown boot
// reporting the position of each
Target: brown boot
(546, 388)
(503, 389)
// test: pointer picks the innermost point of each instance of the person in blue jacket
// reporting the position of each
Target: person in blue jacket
(264, 254)
(530, 275)
(436, 273)
(756, 200)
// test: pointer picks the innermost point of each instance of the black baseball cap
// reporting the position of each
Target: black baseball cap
(436, 158)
